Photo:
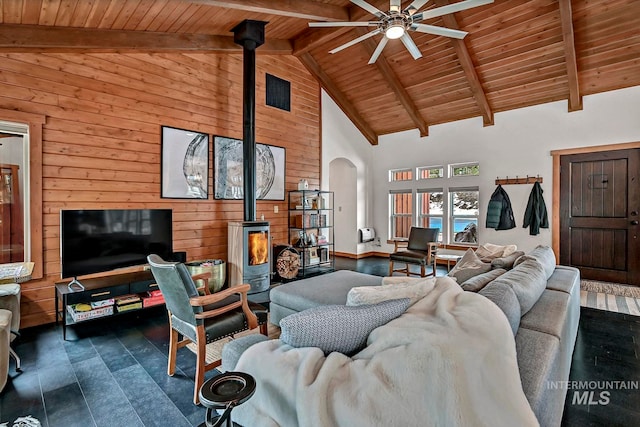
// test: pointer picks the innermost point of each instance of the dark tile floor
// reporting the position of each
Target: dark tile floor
(112, 372)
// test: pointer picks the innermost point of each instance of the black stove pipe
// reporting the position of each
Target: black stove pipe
(250, 35)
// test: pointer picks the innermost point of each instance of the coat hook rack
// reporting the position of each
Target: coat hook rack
(517, 180)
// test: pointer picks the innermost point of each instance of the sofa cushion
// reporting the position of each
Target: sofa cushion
(468, 266)
(505, 298)
(549, 315)
(507, 261)
(411, 288)
(528, 281)
(326, 289)
(232, 350)
(478, 282)
(544, 255)
(538, 355)
(337, 327)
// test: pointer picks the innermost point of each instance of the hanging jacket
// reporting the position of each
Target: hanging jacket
(535, 217)
(499, 212)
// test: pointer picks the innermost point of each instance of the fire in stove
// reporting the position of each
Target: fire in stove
(250, 254)
(258, 247)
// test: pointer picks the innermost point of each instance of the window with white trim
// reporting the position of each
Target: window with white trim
(401, 213)
(431, 209)
(464, 169)
(430, 172)
(400, 175)
(463, 208)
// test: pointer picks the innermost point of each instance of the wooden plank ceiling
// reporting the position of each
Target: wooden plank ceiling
(517, 53)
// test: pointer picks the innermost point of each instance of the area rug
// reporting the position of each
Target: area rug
(610, 288)
(214, 349)
(610, 297)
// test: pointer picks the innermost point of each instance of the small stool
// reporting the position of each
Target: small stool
(225, 391)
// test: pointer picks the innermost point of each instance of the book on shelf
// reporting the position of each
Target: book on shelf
(131, 306)
(312, 220)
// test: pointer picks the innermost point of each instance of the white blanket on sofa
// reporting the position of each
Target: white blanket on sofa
(449, 360)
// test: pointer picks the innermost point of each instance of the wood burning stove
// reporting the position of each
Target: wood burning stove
(250, 254)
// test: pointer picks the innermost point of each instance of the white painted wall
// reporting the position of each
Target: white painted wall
(342, 140)
(518, 144)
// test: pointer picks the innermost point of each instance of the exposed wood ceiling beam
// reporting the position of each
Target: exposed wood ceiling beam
(332, 90)
(303, 9)
(469, 68)
(396, 86)
(313, 37)
(36, 38)
(566, 18)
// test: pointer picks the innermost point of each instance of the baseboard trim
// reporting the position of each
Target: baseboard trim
(362, 255)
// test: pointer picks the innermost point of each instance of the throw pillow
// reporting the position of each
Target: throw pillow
(504, 297)
(478, 282)
(528, 281)
(414, 289)
(468, 266)
(544, 255)
(488, 251)
(506, 262)
(338, 327)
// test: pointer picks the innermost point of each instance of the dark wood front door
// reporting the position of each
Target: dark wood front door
(599, 214)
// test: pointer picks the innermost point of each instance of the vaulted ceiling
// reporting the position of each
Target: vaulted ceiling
(517, 53)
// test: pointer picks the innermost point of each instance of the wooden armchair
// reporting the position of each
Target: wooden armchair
(421, 249)
(202, 319)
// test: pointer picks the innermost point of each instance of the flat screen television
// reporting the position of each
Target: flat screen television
(99, 240)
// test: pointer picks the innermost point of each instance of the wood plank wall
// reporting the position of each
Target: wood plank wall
(101, 140)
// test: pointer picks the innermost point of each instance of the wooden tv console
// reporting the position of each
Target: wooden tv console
(100, 289)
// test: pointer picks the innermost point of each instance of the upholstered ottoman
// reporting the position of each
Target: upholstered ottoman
(326, 289)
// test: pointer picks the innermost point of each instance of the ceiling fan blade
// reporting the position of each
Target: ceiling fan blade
(451, 8)
(369, 8)
(439, 31)
(378, 51)
(411, 46)
(344, 24)
(358, 40)
(415, 6)
(394, 6)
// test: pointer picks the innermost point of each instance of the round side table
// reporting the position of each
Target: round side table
(225, 391)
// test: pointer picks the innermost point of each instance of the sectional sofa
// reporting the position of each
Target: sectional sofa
(540, 301)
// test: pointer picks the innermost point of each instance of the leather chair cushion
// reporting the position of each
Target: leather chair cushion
(412, 257)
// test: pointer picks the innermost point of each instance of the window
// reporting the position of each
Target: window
(431, 209)
(464, 169)
(401, 212)
(464, 215)
(428, 172)
(400, 175)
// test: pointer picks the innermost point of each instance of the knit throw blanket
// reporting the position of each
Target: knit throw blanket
(449, 360)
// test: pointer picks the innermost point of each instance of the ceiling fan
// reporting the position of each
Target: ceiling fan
(397, 22)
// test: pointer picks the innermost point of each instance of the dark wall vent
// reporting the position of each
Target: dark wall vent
(278, 93)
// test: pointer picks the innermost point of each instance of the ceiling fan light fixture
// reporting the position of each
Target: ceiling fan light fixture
(394, 31)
